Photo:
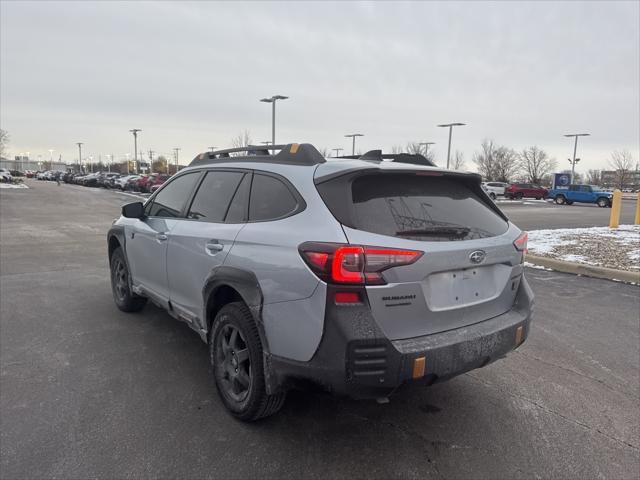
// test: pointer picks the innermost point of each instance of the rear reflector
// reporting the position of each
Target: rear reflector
(519, 335)
(354, 265)
(419, 365)
(347, 297)
(521, 242)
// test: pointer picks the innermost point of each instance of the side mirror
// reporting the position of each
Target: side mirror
(133, 210)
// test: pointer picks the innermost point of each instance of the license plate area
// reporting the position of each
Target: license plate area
(460, 288)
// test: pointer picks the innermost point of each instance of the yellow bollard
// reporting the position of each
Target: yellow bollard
(616, 205)
(637, 221)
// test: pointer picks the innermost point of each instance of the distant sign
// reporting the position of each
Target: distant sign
(561, 180)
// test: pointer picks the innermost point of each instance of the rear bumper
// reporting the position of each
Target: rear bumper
(355, 359)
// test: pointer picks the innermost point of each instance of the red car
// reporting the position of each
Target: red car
(525, 190)
(155, 181)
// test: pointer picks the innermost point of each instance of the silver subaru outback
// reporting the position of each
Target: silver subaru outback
(356, 274)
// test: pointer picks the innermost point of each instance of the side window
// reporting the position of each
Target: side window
(237, 212)
(573, 188)
(270, 199)
(585, 188)
(170, 201)
(212, 199)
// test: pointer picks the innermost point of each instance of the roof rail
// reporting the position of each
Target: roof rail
(292, 153)
(378, 156)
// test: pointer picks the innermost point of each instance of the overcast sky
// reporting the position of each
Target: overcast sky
(190, 75)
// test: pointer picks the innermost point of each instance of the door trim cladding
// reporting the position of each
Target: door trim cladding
(246, 284)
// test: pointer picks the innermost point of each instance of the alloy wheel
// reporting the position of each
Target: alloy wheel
(232, 363)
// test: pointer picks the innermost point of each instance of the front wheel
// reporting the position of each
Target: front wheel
(125, 299)
(493, 196)
(519, 196)
(235, 352)
(603, 202)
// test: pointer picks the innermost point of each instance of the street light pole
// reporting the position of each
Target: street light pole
(426, 148)
(51, 158)
(272, 101)
(575, 148)
(353, 143)
(450, 125)
(79, 156)
(337, 150)
(212, 148)
(135, 147)
(176, 150)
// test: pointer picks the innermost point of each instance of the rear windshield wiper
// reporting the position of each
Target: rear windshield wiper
(436, 231)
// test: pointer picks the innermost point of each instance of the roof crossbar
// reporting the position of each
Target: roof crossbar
(292, 153)
(378, 156)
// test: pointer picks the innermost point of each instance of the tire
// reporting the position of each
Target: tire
(519, 196)
(124, 298)
(560, 200)
(603, 202)
(569, 202)
(538, 198)
(235, 353)
(493, 196)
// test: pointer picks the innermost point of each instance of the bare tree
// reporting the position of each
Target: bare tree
(159, 165)
(594, 177)
(457, 161)
(485, 160)
(622, 163)
(416, 148)
(506, 164)
(536, 164)
(4, 142)
(243, 139)
(397, 149)
(324, 151)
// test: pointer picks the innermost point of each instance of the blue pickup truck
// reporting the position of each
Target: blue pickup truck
(581, 194)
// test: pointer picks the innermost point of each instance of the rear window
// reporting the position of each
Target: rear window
(422, 208)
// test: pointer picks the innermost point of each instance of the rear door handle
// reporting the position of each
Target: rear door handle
(161, 237)
(213, 247)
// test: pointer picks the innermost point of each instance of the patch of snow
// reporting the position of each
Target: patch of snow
(537, 267)
(575, 258)
(544, 241)
(13, 185)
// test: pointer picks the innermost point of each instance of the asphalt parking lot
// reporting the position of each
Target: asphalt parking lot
(535, 215)
(89, 391)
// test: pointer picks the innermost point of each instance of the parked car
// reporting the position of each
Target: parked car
(104, 179)
(495, 189)
(5, 175)
(155, 182)
(29, 173)
(122, 181)
(132, 183)
(145, 182)
(525, 190)
(581, 194)
(90, 180)
(356, 275)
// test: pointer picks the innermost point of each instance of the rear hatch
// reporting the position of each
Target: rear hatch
(470, 270)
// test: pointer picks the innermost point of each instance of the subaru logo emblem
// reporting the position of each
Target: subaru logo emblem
(477, 256)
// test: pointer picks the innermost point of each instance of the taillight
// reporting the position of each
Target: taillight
(521, 242)
(354, 265)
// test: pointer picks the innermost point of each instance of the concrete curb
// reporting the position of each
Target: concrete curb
(586, 270)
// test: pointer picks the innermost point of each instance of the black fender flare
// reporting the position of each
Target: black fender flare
(246, 284)
(117, 232)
